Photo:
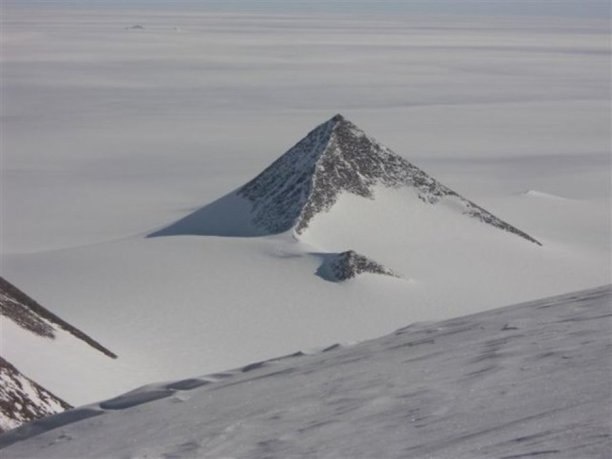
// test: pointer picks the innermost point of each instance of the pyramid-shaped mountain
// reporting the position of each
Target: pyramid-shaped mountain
(334, 158)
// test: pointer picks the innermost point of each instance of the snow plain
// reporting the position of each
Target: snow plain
(530, 380)
(110, 134)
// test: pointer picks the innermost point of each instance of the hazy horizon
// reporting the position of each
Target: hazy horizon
(537, 8)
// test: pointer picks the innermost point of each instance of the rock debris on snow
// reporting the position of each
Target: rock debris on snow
(347, 265)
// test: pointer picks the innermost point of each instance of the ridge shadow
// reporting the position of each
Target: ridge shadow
(228, 216)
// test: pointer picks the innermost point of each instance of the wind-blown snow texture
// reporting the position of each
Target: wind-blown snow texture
(338, 157)
(521, 381)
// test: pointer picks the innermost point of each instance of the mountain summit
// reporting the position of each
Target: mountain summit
(333, 159)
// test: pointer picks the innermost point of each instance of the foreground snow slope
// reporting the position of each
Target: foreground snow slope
(520, 381)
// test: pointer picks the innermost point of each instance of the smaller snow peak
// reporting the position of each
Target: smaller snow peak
(543, 195)
(337, 118)
(347, 265)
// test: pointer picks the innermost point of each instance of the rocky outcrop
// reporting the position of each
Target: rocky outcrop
(28, 314)
(347, 265)
(22, 400)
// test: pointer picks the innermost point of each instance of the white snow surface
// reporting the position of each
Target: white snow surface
(521, 381)
(173, 306)
(110, 134)
(64, 362)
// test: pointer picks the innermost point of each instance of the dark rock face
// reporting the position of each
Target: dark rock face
(17, 306)
(284, 188)
(22, 400)
(338, 157)
(28, 314)
(349, 264)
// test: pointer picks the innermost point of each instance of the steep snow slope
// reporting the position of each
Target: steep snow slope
(27, 313)
(54, 353)
(521, 381)
(22, 400)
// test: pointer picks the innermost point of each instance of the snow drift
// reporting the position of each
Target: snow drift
(520, 381)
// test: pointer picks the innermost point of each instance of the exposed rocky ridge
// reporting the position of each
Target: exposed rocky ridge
(284, 188)
(349, 264)
(22, 400)
(28, 314)
(338, 157)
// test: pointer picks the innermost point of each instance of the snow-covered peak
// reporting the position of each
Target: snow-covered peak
(337, 157)
(542, 195)
(334, 159)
